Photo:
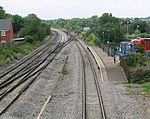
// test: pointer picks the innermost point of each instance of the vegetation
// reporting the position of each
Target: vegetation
(65, 71)
(138, 66)
(146, 88)
(100, 26)
(13, 52)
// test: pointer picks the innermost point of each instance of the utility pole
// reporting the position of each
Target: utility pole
(108, 41)
(127, 30)
(137, 30)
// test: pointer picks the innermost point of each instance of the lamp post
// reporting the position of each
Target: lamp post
(127, 30)
(103, 41)
(137, 30)
(120, 25)
(108, 41)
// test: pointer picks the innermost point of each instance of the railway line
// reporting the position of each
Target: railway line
(18, 79)
(64, 78)
(90, 86)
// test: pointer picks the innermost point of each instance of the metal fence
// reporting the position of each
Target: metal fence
(107, 49)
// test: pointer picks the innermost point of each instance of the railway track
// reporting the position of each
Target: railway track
(35, 54)
(86, 59)
(16, 83)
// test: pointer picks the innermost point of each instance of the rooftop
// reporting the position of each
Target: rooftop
(5, 24)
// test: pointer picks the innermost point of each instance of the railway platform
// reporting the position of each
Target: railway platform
(114, 72)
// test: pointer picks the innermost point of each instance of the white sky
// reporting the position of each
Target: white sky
(51, 9)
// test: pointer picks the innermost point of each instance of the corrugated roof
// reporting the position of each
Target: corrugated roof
(5, 24)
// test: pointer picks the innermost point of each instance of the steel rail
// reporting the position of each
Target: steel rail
(83, 85)
(95, 79)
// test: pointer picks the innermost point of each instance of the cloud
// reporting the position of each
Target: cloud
(71, 8)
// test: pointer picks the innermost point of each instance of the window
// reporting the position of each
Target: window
(3, 33)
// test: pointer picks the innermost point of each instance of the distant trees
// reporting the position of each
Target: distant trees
(100, 26)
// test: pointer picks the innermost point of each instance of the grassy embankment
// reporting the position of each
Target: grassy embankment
(15, 52)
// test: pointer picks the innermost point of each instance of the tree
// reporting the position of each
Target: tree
(18, 23)
(2, 13)
(33, 26)
(148, 27)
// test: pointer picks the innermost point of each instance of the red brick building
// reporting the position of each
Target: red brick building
(6, 31)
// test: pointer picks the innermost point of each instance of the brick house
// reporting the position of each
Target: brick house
(6, 31)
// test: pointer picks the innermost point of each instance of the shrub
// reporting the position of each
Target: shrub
(140, 76)
(140, 48)
(29, 39)
(136, 59)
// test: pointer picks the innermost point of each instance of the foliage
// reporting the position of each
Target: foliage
(15, 52)
(140, 48)
(140, 76)
(65, 71)
(2, 13)
(92, 39)
(100, 25)
(138, 67)
(29, 39)
(146, 87)
(18, 23)
(34, 27)
(136, 59)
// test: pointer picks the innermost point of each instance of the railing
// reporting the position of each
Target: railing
(105, 48)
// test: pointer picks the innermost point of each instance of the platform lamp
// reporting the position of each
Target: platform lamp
(103, 40)
(137, 30)
(127, 29)
(108, 41)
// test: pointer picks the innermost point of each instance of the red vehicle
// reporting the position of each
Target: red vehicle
(146, 43)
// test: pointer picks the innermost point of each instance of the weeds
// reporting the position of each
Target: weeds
(65, 71)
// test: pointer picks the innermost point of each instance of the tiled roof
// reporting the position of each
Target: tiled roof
(5, 24)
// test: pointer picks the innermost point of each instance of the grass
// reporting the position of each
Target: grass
(65, 71)
(132, 86)
(146, 88)
(139, 89)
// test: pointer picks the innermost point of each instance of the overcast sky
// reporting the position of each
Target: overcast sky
(51, 9)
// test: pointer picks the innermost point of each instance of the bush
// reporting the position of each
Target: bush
(136, 59)
(15, 52)
(140, 48)
(92, 39)
(140, 76)
(29, 39)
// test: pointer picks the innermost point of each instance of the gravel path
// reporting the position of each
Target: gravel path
(119, 104)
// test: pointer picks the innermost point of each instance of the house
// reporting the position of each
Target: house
(86, 28)
(6, 31)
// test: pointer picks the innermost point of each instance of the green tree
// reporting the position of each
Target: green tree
(2, 13)
(18, 23)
